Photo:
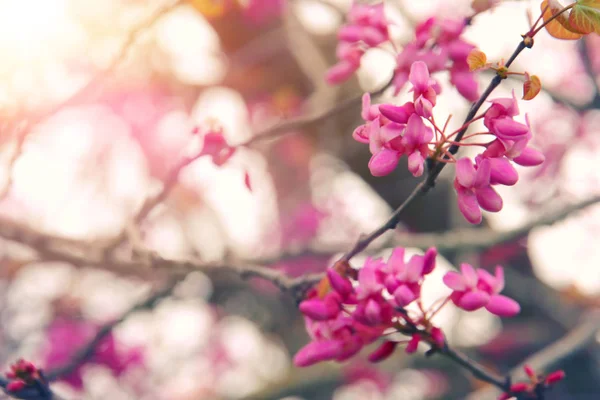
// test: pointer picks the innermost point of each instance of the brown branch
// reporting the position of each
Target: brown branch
(82, 92)
(479, 239)
(54, 248)
(285, 127)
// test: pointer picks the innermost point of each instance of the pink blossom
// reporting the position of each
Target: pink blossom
(425, 89)
(404, 279)
(415, 143)
(499, 120)
(472, 184)
(384, 351)
(475, 289)
(348, 317)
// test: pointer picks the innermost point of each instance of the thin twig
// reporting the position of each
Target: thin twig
(479, 371)
(478, 239)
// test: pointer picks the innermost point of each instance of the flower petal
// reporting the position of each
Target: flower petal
(415, 164)
(383, 351)
(469, 275)
(419, 76)
(529, 157)
(454, 281)
(399, 114)
(484, 172)
(465, 172)
(489, 199)
(503, 306)
(383, 162)
(468, 206)
(315, 352)
(472, 301)
(404, 296)
(503, 172)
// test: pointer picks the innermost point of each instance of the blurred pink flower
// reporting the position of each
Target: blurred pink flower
(65, 337)
(472, 184)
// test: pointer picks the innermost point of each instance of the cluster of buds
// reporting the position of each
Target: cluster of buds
(494, 166)
(351, 309)
(537, 384)
(393, 131)
(26, 381)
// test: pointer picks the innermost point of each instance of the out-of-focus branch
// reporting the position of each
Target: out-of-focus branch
(285, 127)
(574, 341)
(87, 350)
(82, 92)
(53, 248)
(477, 239)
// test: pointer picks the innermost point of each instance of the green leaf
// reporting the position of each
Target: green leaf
(585, 16)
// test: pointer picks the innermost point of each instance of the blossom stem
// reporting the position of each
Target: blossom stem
(438, 309)
(466, 125)
(537, 21)
(552, 18)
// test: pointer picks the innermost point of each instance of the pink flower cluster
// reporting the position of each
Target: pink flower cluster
(393, 131)
(474, 180)
(366, 28)
(356, 312)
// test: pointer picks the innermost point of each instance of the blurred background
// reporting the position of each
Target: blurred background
(99, 100)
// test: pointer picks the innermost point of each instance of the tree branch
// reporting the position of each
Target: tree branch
(479, 239)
